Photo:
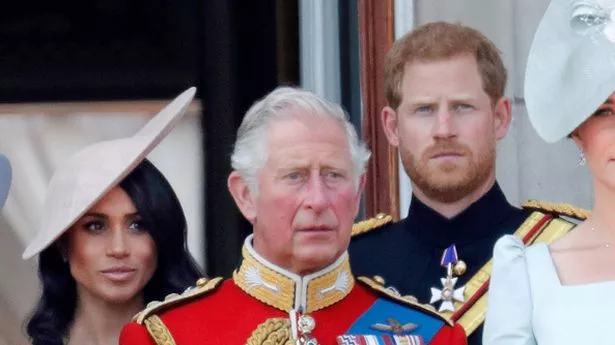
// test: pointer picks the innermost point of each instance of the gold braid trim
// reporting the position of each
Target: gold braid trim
(407, 300)
(203, 286)
(560, 209)
(371, 224)
(159, 332)
(274, 288)
(274, 331)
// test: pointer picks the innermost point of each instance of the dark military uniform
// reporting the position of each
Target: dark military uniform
(407, 253)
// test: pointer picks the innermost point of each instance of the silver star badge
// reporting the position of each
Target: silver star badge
(448, 294)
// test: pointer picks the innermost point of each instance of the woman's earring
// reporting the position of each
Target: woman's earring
(582, 159)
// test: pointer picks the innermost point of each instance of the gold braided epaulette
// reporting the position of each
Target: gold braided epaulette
(371, 224)
(377, 284)
(203, 286)
(560, 209)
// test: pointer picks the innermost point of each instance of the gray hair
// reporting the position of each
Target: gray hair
(250, 151)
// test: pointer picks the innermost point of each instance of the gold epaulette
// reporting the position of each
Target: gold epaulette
(203, 286)
(559, 209)
(377, 284)
(371, 224)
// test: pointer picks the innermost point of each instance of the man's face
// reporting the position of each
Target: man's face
(446, 128)
(307, 194)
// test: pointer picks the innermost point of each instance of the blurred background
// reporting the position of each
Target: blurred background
(74, 72)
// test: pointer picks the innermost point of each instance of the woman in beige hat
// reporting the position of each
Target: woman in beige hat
(112, 239)
(563, 293)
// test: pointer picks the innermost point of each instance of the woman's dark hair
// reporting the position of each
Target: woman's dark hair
(161, 211)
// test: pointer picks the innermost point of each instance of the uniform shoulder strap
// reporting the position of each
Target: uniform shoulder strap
(203, 287)
(559, 209)
(371, 224)
(149, 316)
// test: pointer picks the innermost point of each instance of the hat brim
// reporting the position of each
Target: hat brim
(91, 173)
(569, 74)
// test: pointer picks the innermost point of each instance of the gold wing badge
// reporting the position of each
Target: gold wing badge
(393, 326)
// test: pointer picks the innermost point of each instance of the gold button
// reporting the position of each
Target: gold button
(379, 280)
(460, 268)
(201, 282)
(380, 216)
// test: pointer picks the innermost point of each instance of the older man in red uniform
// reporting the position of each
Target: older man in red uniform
(298, 175)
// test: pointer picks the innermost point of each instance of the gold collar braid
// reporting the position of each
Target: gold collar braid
(287, 291)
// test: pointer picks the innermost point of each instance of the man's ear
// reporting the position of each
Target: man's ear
(390, 125)
(503, 117)
(243, 196)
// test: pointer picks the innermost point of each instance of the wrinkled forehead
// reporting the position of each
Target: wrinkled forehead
(301, 126)
(299, 159)
(308, 139)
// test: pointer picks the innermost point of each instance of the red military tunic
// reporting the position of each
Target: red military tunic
(263, 302)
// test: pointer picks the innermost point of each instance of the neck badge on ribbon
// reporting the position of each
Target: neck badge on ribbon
(448, 294)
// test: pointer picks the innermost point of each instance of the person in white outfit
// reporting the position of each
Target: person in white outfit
(563, 293)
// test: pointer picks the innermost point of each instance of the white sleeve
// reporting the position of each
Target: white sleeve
(509, 311)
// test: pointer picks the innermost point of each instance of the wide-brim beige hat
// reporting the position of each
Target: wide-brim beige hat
(5, 178)
(571, 66)
(87, 176)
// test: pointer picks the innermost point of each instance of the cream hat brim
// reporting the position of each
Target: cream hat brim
(570, 69)
(87, 176)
